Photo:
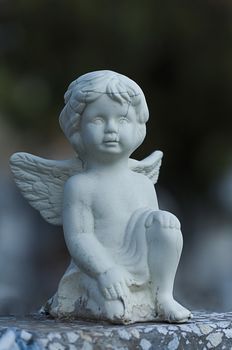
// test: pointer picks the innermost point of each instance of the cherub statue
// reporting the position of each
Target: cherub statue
(124, 249)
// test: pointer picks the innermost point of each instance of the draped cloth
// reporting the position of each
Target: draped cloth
(133, 253)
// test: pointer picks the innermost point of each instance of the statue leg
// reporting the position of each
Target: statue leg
(165, 243)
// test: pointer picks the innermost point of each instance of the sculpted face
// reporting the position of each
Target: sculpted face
(108, 127)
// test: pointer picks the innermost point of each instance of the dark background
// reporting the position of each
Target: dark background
(180, 53)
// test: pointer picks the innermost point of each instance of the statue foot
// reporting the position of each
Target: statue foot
(171, 311)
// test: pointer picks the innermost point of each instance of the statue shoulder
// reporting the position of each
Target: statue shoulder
(79, 186)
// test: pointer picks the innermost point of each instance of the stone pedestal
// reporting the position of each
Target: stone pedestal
(205, 331)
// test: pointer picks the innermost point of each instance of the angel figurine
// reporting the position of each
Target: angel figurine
(124, 250)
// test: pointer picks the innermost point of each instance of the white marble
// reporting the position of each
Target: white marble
(124, 250)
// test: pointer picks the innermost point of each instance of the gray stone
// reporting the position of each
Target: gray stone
(204, 331)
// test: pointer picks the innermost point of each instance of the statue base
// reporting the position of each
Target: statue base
(204, 331)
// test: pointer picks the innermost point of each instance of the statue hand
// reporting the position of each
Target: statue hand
(164, 219)
(114, 283)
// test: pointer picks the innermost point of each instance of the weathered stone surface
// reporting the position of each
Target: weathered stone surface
(205, 331)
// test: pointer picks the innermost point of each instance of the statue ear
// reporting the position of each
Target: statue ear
(141, 132)
(76, 142)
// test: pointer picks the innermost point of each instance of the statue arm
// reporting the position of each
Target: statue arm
(87, 252)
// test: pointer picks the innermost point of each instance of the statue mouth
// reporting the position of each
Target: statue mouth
(111, 143)
(111, 140)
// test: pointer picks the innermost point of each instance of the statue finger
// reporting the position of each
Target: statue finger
(174, 222)
(159, 217)
(149, 220)
(106, 294)
(177, 224)
(119, 290)
(112, 292)
(124, 288)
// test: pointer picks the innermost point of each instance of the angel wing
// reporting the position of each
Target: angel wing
(149, 166)
(41, 182)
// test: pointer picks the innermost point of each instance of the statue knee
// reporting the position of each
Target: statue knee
(164, 227)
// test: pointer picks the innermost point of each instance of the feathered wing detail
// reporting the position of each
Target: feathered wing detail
(41, 182)
(149, 166)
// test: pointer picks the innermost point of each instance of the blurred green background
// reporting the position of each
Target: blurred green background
(180, 53)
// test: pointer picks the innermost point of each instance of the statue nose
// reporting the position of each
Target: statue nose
(111, 127)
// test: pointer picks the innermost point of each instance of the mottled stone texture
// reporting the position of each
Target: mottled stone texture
(205, 331)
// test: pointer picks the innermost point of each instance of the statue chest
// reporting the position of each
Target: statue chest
(118, 201)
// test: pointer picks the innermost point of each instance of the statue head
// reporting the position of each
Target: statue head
(90, 87)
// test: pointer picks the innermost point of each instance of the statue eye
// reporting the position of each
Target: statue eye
(124, 120)
(98, 120)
